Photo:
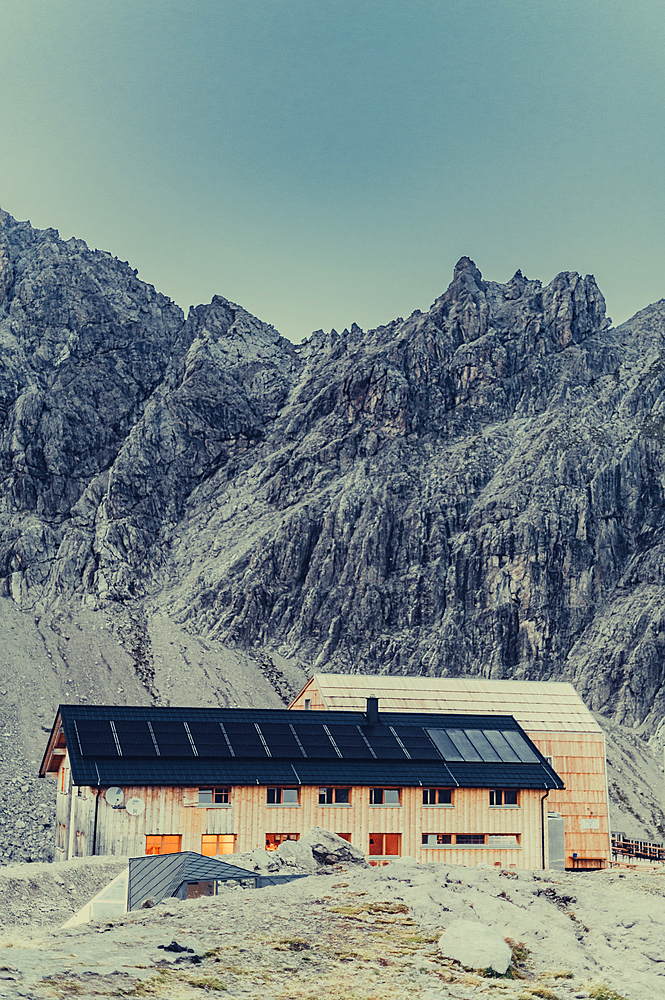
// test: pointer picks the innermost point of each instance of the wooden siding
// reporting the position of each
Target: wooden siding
(577, 756)
(250, 818)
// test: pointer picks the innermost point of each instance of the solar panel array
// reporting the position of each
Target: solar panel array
(246, 739)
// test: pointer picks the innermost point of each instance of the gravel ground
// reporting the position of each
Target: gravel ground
(354, 934)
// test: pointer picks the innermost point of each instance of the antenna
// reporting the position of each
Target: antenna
(135, 806)
(114, 796)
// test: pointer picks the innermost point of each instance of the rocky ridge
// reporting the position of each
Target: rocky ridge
(475, 489)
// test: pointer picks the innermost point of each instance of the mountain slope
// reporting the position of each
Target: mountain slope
(478, 488)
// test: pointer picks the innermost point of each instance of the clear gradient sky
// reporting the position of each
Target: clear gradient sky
(328, 162)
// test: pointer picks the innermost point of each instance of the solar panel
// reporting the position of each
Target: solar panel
(280, 739)
(383, 743)
(209, 739)
(315, 740)
(501, 745)
(444, 744)
(352, 746)
(482, 745)
(96, 738)
(464, 745)
(244, 739)
(521, 747)
(417, 742)
(135, 739)
(172, 739)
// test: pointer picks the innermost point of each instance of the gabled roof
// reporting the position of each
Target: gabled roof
(159, 876)
(114, 745)
(538, 706)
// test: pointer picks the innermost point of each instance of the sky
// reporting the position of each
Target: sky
(323, 163)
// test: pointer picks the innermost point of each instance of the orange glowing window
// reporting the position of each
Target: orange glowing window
(273, 840)
(213, 844)
(163, 844)
(386, 844)
(345, 836)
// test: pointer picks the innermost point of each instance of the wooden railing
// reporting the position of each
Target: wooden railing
(625, 848)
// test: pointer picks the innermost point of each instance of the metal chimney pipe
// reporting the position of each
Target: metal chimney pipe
(372, 712)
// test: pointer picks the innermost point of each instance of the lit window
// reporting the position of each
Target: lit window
(334, 796)
(385, 844)
(437, 796)
(384, 796)
(163, 844)
(345, 836)
(214, 796)
(282, 796)
(217, 843)
(437, 839)
(503, 797)
(273, 840)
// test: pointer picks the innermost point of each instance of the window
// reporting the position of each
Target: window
(334, 796)
(345, 836)
(308, 704)
(503, 797)
(437, 839)
(384, 796)
(213, 844)
(80, 844)
(214, 796)
(60, 836)
(386, 844)
(163, 844)
(470, 838)
(273, 840)
(282, 797)
(503, 840)
(63, 779)
(437, 796)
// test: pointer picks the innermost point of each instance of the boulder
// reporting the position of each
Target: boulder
(296, 854)
(329, 849)
(475, 946)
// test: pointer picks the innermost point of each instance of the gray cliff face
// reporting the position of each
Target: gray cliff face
(476, 489)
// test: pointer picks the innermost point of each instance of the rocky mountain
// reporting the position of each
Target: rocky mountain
(479, 488)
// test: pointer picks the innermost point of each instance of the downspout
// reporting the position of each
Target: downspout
(542, 824)
(94, 829)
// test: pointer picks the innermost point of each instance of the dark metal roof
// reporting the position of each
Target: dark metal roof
(113, 745)
(159, 876)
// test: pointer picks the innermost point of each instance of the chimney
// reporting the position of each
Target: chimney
(372, 713)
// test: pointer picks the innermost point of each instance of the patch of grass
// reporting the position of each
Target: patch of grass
(62, 986)
(602, 992)
(563, 974)
(544, 992)
(293, 944)
(207, 983)
(152, 987)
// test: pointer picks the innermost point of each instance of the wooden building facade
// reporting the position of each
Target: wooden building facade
(134, 781)
(551, 713)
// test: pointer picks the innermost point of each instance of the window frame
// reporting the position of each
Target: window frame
(162, 837)
(437, 804)
(502, 792)
(383, 844)
(215, 790)
(334, 789)
(279, 796)
(217, 837)
(383, 804)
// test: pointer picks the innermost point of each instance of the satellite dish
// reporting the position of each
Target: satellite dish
(135, 806)
(114, 796)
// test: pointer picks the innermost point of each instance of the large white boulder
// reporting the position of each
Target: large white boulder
(296, 854)
(475, 946)
(329, 849)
